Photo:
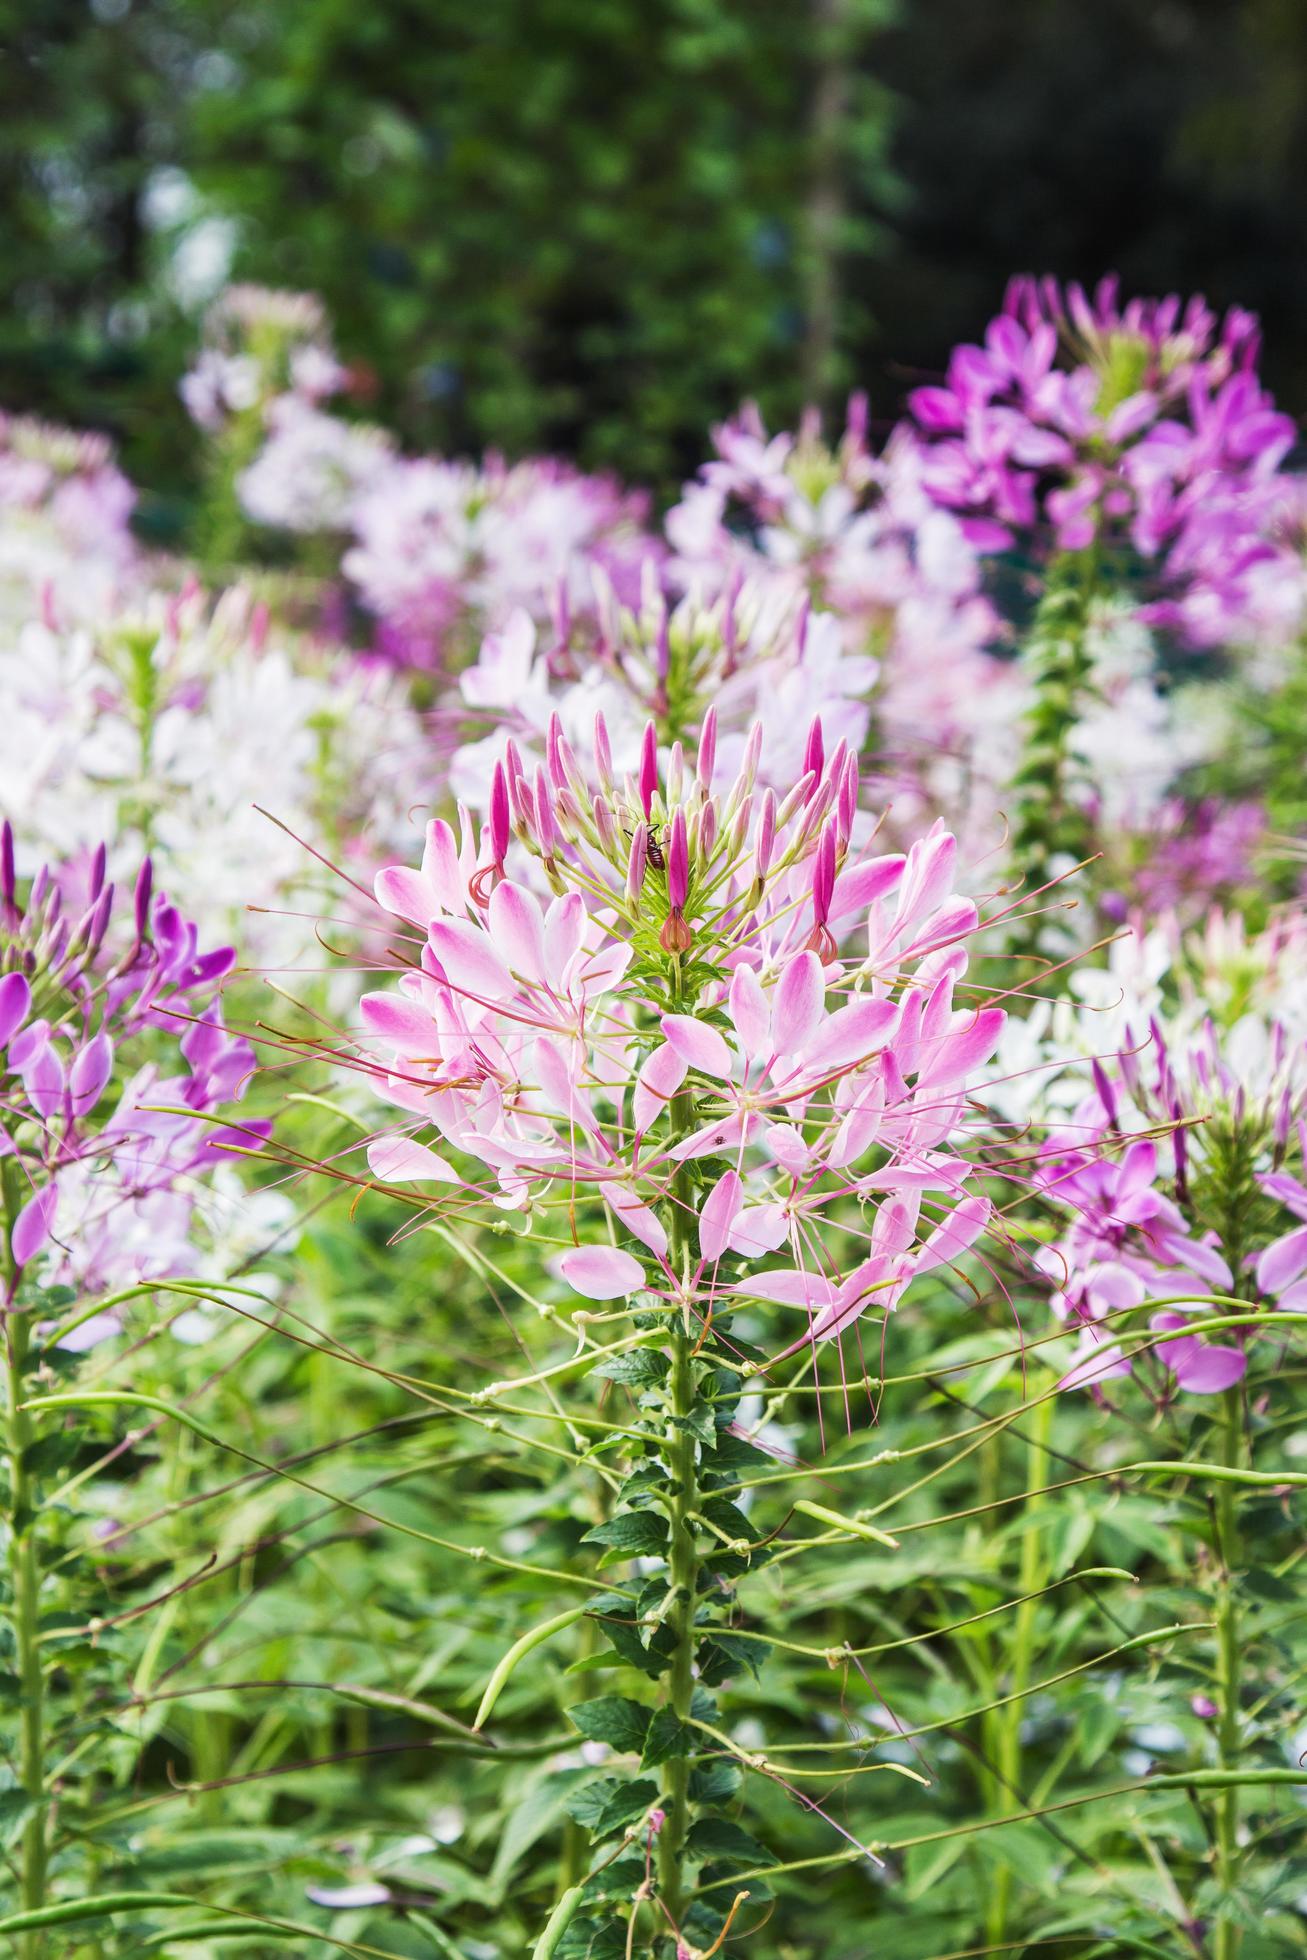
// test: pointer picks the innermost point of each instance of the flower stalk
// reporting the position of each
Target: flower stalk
(1228, 1937)
(25, 1587)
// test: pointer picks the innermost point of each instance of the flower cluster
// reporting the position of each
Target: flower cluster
(858, 535)
(259, 344)
(676, 1034)
(752, 654)
(444, 552)
(1174, 1162)
(65, 508)
(1139, 427)
(175, 723)
(102, 1170)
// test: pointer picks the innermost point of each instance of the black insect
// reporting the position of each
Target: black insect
(654, 850)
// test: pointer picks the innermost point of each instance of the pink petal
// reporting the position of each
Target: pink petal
(759, 1229)
(718, 1214)
(858, 888)
(396, 1159)
(44, 1080)
(15, 1005)
(641, 1221)
(1097, 1362)
(564, 934)
(973, 1044)
(33, 1225)
(90, 1073)
(750, 1013)
(403, 1024)
(406, 893)
(441, 868)
(797, 1004)
(951, 1239)
(697, 1044)
(601, 1272)
(469, 962)
(790, 1287)
(1209, 1369)
(1283, 1262)
(661, 1075)
(518, 929)
(850, 1034)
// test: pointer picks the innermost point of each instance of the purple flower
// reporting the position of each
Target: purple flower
(1140, 426)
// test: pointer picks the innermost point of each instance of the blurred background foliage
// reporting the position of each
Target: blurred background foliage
(593, 226)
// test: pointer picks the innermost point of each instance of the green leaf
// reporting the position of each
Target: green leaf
(640, 1369)
(718, 1838)
(715, 1782)
(612, 1719)
(633, 1533)
(700, 1423)
(593, 1939)
(667, 1739)
(609, 1802)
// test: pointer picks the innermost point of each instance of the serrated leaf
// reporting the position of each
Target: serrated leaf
(641, 1369)
(609, 1802)
(636, 1534)
(727, 1843)
(715, 1782)
(622, 1724)
(592, 1939)
(668, 1738)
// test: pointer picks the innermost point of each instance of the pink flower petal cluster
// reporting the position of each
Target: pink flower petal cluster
(1140, 427)
(729, 1019)
(444, 552)
(102, 1172)
(1128, 1242)
(860, 536)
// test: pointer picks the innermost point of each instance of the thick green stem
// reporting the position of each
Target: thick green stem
(1228, 1934)
(1008, 1754)
(683, 1554)
(684, 1577)
(1048, 827)
(25, 1585)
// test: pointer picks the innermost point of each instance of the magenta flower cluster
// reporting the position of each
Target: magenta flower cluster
(101, 1169)
(1140, 426)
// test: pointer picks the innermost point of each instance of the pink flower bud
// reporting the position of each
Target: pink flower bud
(814, 756)
(648, 768)
(766, 843)
(141, 898)
(707, 750)
(546, 822)
(603, 753)
(637, 861)
(554, 752)
(678, 861)
(499, 814)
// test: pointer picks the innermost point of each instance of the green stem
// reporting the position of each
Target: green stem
(1008, 1763)
(25, 1585)
(683, 1554)
(684, 1574)
(1228, 1934)
(1047, 826)
(24, 1578)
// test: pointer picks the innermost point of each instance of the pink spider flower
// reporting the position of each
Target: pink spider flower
(718, 975)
